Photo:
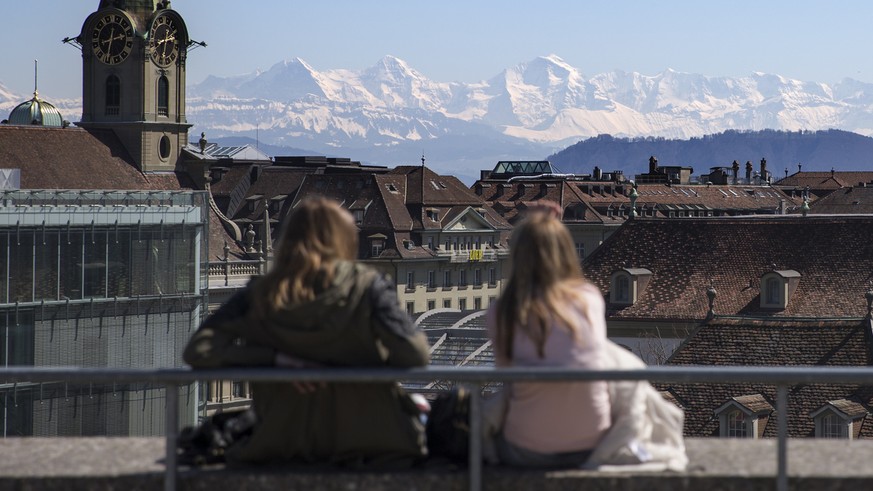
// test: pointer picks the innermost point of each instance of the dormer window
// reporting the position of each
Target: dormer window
(736, 427)
(377, 244)
(744, 416)
(627, 285)
(433, 214)
(359, 216)
(777, 287)
(622, 289)
(839, 419)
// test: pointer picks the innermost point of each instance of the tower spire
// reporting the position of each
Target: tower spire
(35, 78)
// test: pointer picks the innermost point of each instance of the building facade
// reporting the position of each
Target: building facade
(96, 279)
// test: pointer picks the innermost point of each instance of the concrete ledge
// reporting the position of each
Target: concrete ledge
(135, 464)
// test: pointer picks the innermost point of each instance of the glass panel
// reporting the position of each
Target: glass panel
(119, 263)
(4, 270)
(95, 263)
(71, 264)
(21, 267)
(16, 412)
(150, 263)
(183, 261)
(46, 265)
(16, 339)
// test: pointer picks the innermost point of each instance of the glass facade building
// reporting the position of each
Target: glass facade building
(98, 279)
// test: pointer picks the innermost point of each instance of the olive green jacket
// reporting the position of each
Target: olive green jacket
(355, 322)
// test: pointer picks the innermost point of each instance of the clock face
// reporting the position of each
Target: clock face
(164, 41)
(112, 39)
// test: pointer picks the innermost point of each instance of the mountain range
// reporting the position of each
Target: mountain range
(390, 113)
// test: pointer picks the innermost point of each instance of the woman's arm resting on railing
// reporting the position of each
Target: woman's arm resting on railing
(406, 346)
(216, 342)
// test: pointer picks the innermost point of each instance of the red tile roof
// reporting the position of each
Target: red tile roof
(511, 198)
(739, 341)
(72, 158)
(848, 200)
(826, 180)
(834, 256)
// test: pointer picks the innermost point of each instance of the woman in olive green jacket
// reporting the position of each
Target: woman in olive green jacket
(317, 307)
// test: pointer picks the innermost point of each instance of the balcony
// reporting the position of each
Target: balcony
(470, 255)
(233, 273)
(725, 464)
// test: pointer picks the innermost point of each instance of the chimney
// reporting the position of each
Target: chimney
(763, 170)
(735, 166)
(598, 174)
(748, 172)
(799, 166)
(653, 165)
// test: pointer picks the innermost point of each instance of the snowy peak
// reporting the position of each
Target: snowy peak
(391, 69)
(8, 97)
(543, 100)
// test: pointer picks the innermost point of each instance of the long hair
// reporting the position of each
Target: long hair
(315, 235)
(545, 278)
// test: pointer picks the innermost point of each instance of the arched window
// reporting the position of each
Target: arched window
(113, 96)
(163, 96)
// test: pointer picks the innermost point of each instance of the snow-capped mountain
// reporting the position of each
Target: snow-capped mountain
(530, 109)
(545, 101)
(71, 109)
(8, 100)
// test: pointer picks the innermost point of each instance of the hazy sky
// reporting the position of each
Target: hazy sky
(467, 41)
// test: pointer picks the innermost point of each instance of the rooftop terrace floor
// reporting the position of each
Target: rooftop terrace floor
(133, 464)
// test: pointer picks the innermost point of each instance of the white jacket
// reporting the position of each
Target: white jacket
(646, 429)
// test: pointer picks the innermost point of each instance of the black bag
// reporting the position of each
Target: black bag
(448, 425)
(205, 444)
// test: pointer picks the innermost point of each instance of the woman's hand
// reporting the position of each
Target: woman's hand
(287, 361)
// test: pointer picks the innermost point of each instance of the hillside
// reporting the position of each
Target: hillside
(816, 150)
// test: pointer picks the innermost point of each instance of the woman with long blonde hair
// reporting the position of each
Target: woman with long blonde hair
(548, 315)
(318, 307)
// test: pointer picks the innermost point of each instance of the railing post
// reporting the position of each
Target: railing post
(782, 443)
(172, 428)
(475, 458)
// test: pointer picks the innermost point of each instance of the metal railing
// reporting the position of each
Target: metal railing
(781, 377)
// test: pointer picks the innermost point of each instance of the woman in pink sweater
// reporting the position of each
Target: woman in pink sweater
(548, 315)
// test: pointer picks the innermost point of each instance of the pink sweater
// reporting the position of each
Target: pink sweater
(556, 417)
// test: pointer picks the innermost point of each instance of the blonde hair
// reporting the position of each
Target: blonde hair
(546, 276)
(315, 235)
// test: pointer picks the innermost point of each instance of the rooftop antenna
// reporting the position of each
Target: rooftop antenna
(422, 180)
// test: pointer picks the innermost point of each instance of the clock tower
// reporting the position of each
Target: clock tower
(133, 70)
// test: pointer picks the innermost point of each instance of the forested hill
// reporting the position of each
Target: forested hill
(816, 150)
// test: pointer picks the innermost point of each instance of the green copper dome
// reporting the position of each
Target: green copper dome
(36, 111)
